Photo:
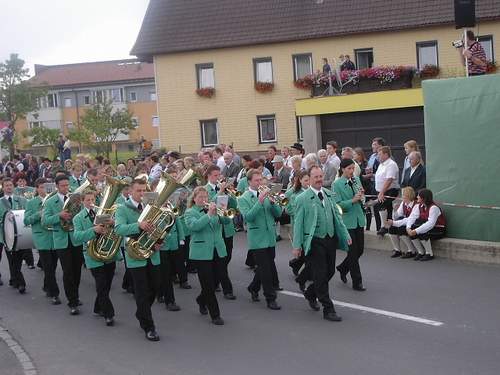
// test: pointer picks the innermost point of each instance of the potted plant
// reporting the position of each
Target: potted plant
(264, 87)
(206, 92)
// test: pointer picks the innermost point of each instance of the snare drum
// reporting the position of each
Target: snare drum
(16, 235)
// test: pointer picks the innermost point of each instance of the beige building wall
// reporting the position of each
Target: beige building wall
(236, 104)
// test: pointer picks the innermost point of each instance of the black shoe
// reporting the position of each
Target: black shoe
(343, 275)
(203, 309)
(98, 314)
(254, 295)
(273, 305)
(192, 271)
(79, 303)
(56, 301)
(295, 271)
(160, 299)
(185, 285)
(302, 286)
(314, 304)
(110, 322)
(408, 255)
(74, 311)
(1, 282)
(418, 257)
(152, 336)
(278, 288)
(332, 316)
(130, 290)
(278, 238)
(229, 296)
(396, 254)
(359, 287)
(22, 289)
(218, 321)
(31, 267)
(425, 258)
(382, 231)
(173, 306)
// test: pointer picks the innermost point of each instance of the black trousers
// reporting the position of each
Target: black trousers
(180, 265)
(351, 261)
(266, 273)
(387, 204)
(435, 233)
(127, 282)
(103, 277)
(321, 260)
(190, 267)
(71, 262)
(28, 257)
(49, 265)
(15, 264)
(146, 286)
(167, 272)
(225, 282)
(208, 272)
(305, 273)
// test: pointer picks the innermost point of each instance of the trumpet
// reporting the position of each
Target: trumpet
(230, 189)
(278, 198)
(228, 212)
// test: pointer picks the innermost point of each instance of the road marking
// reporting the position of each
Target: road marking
(390, 314)
(23, 357)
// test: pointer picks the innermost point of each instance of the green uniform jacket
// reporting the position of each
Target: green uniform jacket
(306, 215)
(242, 185)
(27, 189)
(50, 217)
(292, 195)
(182, 222)
(42, 238)
(121, 199)
(73, 183)
(84, 232)
(260, 219)
(174, 237)
(353, 215)
(18, 203)
(229, 230)
(206, 234)
(126, 225)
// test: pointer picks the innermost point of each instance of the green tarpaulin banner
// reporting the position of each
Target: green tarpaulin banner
(462, 139)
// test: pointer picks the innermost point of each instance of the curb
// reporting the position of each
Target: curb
(23, 357)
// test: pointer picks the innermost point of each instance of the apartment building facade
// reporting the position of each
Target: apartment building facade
(227, 72)
(73, 88)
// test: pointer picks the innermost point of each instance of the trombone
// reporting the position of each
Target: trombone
(228, 212)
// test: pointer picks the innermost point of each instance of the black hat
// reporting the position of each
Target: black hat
(297, 146)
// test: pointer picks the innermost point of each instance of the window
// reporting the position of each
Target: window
(86, 100)
(36, 124)
(155, 121)
(116, 95)
(427, 54)
(133, 96)
(99, 96)
(52, 101)
(487, 43)
(209, 132)
(267, 128)
(69, 124)
(135, 122)
(364, 58)
(302, 65)
(263, 70)
(67, 102)
(152, 96)
(300, 131)
(205, 75)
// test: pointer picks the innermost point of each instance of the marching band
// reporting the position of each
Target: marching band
(96, 222)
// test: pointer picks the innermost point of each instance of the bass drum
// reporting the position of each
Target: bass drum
(16, 235)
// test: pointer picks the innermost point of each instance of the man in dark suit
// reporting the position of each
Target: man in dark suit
(271, 153)
(415, 175)
(231, 169)
(281, 173)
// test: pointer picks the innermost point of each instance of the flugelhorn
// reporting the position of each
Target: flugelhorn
(228, 212)
(278, 198)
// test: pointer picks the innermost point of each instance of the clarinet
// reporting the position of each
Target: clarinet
(358, 189)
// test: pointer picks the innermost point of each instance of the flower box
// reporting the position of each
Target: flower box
(206, 92)
(264, 87)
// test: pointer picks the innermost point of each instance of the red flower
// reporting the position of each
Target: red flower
(264, 87)
(206, 92)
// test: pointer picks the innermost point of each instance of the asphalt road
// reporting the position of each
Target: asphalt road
(462, 300)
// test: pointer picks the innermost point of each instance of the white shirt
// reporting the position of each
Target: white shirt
(155, 172)
(387, 169)
(413, 169)
(402, 220)
(335, 160)
(61, 197)
(240, 174)
(317, 192)
(221, 163)
(136, 204)
(434, 213)
(213, 186)
(254, 192)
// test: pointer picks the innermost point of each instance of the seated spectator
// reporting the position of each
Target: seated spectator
(281, 173)
(397, 230)
(347, 64)
(425, 223)
(231, 169)
(415, 175)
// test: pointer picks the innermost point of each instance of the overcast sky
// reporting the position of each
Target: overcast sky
(67, 31)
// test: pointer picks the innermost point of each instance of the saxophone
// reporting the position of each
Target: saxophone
(162, 218)
(104, 247)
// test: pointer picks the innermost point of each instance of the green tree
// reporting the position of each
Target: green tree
(101, 125)
(17, 96)
(42, 136)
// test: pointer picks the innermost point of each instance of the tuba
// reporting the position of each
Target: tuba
(74, 205)
(161, 217)
(104, 247)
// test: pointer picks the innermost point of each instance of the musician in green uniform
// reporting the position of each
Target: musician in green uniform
(76, 178)
(28, 192)
(318, 231)
(348, 195)
(42, 239)
(260, 214)
(103, 272)
(207, 250)
(145, 273)
(8, 202)
(214, 189)
(68, 250)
